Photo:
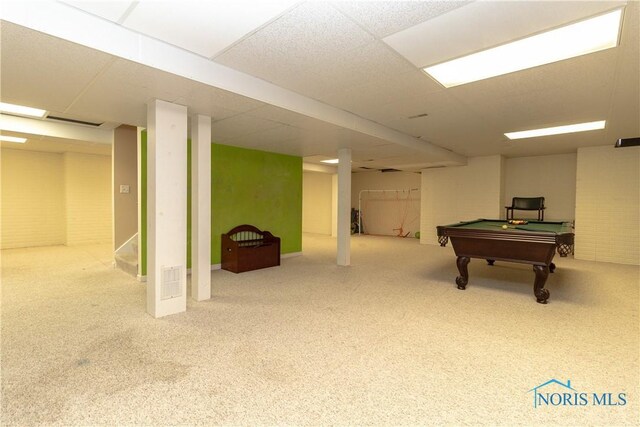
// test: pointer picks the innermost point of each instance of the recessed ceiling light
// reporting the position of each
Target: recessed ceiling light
(332, 161)
(21, 110)
(6, 138)
(556, 130)
(581, 38)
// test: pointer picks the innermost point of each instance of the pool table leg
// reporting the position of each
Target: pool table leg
(542, 294)
(463, 278)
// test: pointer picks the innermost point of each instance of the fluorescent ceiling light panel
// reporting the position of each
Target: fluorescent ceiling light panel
(6, 138)
(557, 130)
(21, 110)
(332, 161)
(581, 38)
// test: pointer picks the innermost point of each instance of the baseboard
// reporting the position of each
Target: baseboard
(219, 266)
(290, 255)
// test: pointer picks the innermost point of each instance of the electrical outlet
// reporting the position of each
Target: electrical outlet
(124, 189)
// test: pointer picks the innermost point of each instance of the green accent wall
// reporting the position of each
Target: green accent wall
(257, 188)
(188, 203)
(247, 187)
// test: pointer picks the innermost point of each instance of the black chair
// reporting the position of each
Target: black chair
(526, 204)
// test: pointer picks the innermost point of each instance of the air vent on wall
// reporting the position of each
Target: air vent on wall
(78, 122)
(627, 142)
(171, 284)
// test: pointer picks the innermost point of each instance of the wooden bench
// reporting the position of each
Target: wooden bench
(246, 248)
(526, 204)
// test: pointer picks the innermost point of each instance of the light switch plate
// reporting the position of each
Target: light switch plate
(124, 189)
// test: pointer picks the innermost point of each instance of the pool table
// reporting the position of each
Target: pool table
(532, 243)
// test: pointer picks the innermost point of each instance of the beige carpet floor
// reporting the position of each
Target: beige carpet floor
(387, 341)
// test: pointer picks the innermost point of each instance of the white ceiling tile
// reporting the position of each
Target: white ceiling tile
(370, 64)
(382, 18)
(630, 37)
(380, 99)
(44, 72)
(455, 128)
(201, 26)
(214, 102)
(286, 51)
(120, 94)
(382, 151)
(239, 125)
(201, 105)
(360, 141)
(280, 133)
(430, 104)
(115, 106)
(546, 108)
(318, 126)
(280, 115)
(256, 57)
(625, 109)
(113, 10)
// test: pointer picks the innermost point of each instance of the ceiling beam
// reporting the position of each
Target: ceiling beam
(63, 21)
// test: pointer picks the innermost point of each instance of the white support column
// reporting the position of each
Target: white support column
(166, 208)
(344, 206)
(334, 205)
(201, 208)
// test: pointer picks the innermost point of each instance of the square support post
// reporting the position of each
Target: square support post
(166, 208)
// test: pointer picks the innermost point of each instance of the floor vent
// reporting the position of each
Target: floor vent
(171, 286)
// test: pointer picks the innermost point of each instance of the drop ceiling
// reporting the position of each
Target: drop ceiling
(309, 78)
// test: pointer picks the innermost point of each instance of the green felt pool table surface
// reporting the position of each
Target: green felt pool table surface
(532, 226)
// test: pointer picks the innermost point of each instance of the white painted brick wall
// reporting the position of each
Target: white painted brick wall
(88, 198)
(316, 202)
(552, 177)
(55, 199)
(608, 205)
(32, 199)
(460, 193)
